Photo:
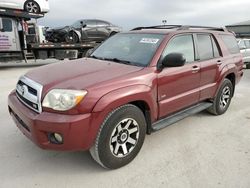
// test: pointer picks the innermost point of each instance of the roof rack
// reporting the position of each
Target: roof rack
(19, 14)
(181, 27)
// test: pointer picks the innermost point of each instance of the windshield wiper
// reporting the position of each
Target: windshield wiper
(95, 57)
(118, 60)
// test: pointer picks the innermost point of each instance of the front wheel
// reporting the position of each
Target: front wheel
(223, 98)
(120, 138)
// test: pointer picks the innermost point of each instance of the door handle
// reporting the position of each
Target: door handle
(195, 69)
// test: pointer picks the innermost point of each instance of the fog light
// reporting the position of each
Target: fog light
(55, 138)
(58, 137)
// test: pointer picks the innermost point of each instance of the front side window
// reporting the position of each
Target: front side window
(181, 44)
(7, 25)
(129, 48)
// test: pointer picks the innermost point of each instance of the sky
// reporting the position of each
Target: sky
(133, 13)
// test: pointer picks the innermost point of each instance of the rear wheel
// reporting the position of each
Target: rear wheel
(120, 138)
(32, 7)
(223, 98)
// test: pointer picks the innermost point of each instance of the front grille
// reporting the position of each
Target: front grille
(29, 93)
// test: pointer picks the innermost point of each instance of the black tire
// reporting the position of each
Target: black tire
(113, 134)
(72, 37)
(223, 98)
(248, 66)
(32, 7)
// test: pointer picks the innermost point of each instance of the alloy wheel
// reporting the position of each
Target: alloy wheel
(32, 7)
(225, 97)
(124, 137)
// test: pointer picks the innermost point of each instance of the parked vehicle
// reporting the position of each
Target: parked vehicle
(29, 42)
(83, 30)
(134, 83)
(244, 45)
(32, 6)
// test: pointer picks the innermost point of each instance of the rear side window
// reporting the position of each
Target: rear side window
(7, 25)
(205, 46)
(231, 43)
(181, 44)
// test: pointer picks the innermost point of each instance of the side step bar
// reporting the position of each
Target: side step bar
(180, 115)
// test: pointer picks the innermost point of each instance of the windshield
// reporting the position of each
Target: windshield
(77, 24)
(134, 49)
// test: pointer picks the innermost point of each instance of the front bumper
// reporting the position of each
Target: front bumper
(75, 129)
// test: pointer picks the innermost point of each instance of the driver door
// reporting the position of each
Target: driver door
(179, 87)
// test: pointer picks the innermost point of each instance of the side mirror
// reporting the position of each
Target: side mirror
(174, 60)
(2, 30)
(83, 24)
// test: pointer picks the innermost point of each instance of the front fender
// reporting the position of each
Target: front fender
(127, 95)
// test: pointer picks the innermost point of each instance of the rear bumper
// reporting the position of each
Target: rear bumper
(75, 129)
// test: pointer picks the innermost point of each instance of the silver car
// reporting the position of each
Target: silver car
(244, 45)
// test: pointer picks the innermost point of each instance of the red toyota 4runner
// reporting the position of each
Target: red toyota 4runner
(134, 83)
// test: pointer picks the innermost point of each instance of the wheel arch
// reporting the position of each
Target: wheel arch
(141, 96)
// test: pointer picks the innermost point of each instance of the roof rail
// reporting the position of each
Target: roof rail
(19, 14)
(181, 27)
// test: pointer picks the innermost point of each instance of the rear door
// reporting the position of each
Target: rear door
(103, 29)
(9, 35)
(91, 29)
(178, 87)
(210, 60)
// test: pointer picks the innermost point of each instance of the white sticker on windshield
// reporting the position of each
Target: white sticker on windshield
(149, 40)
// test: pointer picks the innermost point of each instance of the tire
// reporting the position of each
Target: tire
(120, 137)
(32, 7)
(248, 66)
(72, 37)
(223, 98)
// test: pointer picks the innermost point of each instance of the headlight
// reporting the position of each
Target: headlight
(63, 99)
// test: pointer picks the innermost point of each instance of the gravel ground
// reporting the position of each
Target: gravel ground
(199, 151)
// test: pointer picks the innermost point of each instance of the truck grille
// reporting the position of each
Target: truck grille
(29, 93)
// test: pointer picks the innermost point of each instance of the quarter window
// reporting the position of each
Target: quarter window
(181, 44)
(231, 43)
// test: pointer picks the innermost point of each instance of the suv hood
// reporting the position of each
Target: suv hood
(79, 74)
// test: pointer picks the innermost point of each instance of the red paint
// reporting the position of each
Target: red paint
(111, 85)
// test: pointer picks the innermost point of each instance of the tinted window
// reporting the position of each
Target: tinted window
(205, 47)
(91, 22)
(231, 43)
(215, 48)
(7, 25)
(247, 43)
(102, 23)
(181, 44)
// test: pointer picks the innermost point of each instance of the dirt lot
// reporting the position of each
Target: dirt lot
(200, 151)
